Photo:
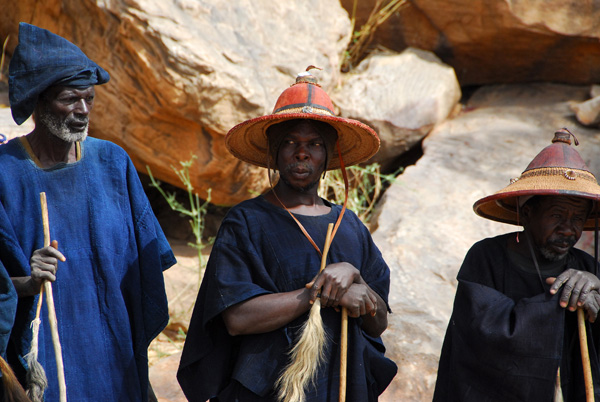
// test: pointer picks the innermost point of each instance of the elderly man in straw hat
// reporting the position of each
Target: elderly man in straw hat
(513, 334)
(108, 286)
(254, 297)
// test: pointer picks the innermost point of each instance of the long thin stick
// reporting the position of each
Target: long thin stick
(343, 354)
(37, 382)
(585, 356)
(308, 352)
(62, 385)
(326, 247)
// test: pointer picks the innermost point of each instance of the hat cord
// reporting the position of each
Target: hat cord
(596, 239)
(535, 262)
(518, 215)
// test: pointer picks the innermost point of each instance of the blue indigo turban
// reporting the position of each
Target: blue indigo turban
(42, 59)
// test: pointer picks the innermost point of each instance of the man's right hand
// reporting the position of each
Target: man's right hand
(333, 282)
(43, 264)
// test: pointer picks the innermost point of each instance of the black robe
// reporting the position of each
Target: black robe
(507, 335)
(260, 250)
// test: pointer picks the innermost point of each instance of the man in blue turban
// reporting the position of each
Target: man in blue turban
(43, 59)
(108, 286)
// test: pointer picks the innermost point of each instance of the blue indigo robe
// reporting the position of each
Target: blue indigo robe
(260, 250)
(507, 335)
(109, 294)
(8, 308)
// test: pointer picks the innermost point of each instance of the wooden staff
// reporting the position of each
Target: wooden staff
(343, 354)
(47, 288)
(308, 352)
(585, 356)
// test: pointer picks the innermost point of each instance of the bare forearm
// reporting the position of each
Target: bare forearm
(266, 313)
(24, 286)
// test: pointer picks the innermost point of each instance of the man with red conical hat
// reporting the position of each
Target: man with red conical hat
(253, 299)
(513, 333)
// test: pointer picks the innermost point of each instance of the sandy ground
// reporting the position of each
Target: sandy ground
(181, 282)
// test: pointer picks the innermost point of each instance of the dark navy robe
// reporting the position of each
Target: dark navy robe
(259, 250)
(8, 307)
(507, 335)
(109, 294)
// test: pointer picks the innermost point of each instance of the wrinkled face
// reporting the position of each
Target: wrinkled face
(555, 224)
(64, 111)
(301, 158)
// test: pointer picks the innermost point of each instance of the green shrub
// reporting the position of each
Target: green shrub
(196, 211)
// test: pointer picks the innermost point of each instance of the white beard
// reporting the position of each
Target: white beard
(60, 128)
(550, 255)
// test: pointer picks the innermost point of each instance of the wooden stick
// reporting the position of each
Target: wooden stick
(62, 385)
(343, 354)
(308, 352)
(326, 247)
(585, 356)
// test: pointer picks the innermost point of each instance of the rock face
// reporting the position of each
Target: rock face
(498, 41)
(427, 224)
(402, 96)
(588, 111)
(184, 72)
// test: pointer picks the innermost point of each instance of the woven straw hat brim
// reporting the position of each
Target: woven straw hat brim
(248, 140)
(502, 205)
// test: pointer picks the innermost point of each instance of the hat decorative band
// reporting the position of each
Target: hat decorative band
(316, 109)
(315, 101)
(570, 174)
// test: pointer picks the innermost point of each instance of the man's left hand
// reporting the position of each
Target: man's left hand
(359, 300)
(591, 306)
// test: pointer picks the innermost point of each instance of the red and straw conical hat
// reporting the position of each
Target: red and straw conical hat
(303, 100)
(557, 170)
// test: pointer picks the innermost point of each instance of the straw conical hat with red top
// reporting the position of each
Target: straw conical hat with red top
(557, 170)
(303, 100)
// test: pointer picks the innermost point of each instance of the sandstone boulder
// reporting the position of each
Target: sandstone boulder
(402, 96)
(184, 72)
(588, 111)
(497, 41)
